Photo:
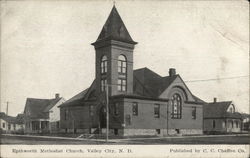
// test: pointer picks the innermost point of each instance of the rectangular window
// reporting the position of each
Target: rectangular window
(128, 120)
(57, 124)
(158, 131)
(104, 65)
(91, 110)
(3, 125)
(135, 109)
(103, 84)
(66, 114)
(157, 110)
(223, 124)
(116, 131)
(122, 85)
(9, 126)
(213, 123)
(193, 112)
(122, 67)
(116, 111)
(14, 126)
(119, 66)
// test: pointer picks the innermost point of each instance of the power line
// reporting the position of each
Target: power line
(217, 79)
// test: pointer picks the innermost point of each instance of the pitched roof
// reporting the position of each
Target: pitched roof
(11, 119)
(147, 84)
(80, 97)
(219, 110)
(38, 108)
(115, 29)
(150, 84)
(75, 99)
(198, 100)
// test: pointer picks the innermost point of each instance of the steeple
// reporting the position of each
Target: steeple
(114, 29)
(114, 57)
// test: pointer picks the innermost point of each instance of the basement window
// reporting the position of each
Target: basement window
(116, 131)
(158, 131)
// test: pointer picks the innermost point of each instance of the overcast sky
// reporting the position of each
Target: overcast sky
(45, 46)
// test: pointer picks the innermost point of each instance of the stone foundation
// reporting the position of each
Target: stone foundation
(133, 132)
(137, 132)
(163, 132)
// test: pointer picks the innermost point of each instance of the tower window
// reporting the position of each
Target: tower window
(122, 64)
(104, 64)
(122, 74)
(121, 85)
(103, 84)
(176, 106)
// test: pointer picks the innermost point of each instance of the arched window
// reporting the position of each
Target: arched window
(104, 63)
(122, 64)
(176, 103)
(122, 74)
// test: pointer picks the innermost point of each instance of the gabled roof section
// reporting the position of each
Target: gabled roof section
(150, 84)
(80, 97)
(37, 108)
(219, 110)
(114, 29)
(198, 100)
(53, 102)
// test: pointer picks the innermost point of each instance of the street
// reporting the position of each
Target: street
(36, 140)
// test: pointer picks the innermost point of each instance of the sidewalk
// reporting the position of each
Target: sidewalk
(53, 137)
(125, 139)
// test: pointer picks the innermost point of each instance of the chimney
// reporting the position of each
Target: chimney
(57, 95)
(172, 72)
(215, 100)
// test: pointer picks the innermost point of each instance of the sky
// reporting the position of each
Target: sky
(45, 46)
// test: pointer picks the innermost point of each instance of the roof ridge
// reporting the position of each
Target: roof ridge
(220, 102)
(40, 98)
(146, 68)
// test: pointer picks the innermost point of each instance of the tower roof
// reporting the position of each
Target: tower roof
(114, 29)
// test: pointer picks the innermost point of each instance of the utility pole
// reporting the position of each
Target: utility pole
(167, 116)
(107, 113)
(7, 124)
(7, 108)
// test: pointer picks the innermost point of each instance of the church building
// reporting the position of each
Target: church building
(141, 102)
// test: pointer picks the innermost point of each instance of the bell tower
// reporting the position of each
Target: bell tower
(114, 57)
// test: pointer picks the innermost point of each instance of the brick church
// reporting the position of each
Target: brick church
(141, 102)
